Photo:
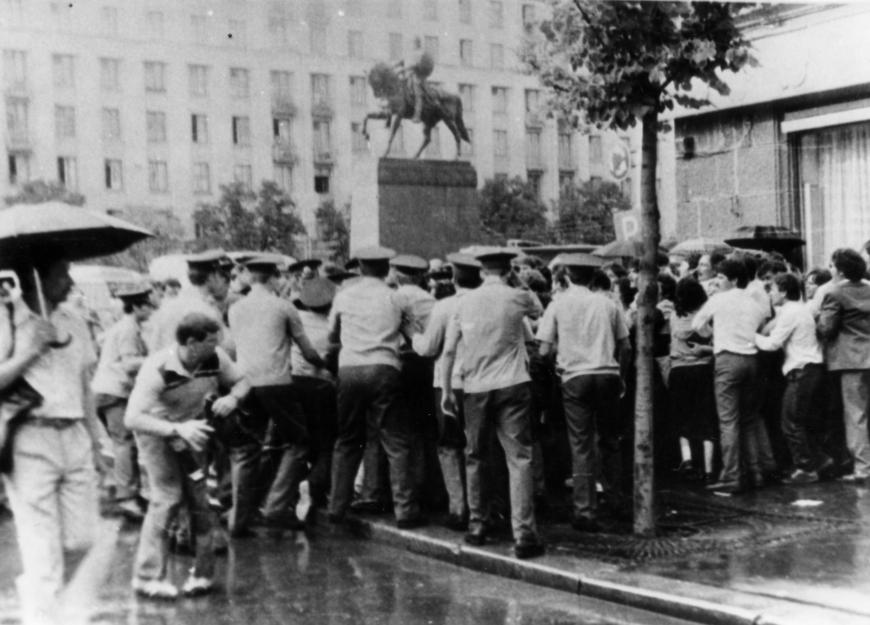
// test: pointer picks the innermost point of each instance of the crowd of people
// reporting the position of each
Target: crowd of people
(460, 389)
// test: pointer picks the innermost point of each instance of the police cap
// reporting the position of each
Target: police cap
(374, 254)
(498, 258)
(133, 292)
(209, 260)
(300, 265)
(464, 260)
(408, 263)
(266, 264)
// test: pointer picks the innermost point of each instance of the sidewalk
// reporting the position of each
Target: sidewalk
(780, 556)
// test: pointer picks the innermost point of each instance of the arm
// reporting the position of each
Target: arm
(547, 332)
(830, 317)
(334, 334)
(238, 384)
(130, 353)
(451, 342)
(782, 329)
(32, 342)
(701, 321)
(430, 342)
(297, 332)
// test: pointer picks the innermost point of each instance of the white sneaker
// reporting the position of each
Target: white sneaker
(155, 589)
(195, 586)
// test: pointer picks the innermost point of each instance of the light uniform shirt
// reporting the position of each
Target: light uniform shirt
(59, 374)
(166, 390)
(794, 330)
(122, 342)
(431, 342)
(264, 328)
(736, 317)
(585, 326)
(370, 318)
(421, 303)
(317, 330)
(489, 326)
(164, 322)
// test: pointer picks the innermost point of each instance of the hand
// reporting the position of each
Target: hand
(448, 405)
(38, 336)
(195, 433)
(224, 406)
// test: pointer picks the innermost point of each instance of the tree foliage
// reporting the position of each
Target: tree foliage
(511, 209)
(333, 229)
(38, 191)
(167, 230)
(585, 213)
(244, 220)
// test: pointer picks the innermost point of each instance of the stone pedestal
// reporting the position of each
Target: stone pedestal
(423, 207)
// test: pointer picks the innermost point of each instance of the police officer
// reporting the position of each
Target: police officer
(489, 326)
(368, 320)
(588, 332)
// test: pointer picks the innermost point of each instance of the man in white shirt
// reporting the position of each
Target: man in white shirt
(794, 330)
(736, 317)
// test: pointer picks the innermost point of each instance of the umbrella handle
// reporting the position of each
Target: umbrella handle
(43, 310)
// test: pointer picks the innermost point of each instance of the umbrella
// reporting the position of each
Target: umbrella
(622, 249)
(700, 245)
(766, 238)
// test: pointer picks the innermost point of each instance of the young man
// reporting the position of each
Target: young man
(123, 353)
(164, 410)
(736, 317)
(588, 331)
(794, 331)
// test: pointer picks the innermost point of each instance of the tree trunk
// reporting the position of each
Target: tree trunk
(644, 493)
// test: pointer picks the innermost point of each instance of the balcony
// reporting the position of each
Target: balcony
(284, 152)
(18, 142)
(534, 119)
(323, 157)
(322, 110)
(283, 105)
(17, 90)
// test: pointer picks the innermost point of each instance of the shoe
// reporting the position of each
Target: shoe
(196, 586)
(685, 468)
(476, 535)
(412, 523)
(725, 488)
(155, 589)
(456, 523)
(854, 478)
(585, 524)
(524, 550)
(826, 469)
(802, 477)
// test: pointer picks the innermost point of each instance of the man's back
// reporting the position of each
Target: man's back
(844, 323)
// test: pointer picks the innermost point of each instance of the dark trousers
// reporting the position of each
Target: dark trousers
(317, 399)
(800, 415)
(592, 408)
(451, 455)
(368, 399)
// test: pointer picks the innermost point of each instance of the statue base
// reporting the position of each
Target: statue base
(423, 207)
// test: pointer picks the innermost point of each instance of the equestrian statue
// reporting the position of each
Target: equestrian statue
(408, 96)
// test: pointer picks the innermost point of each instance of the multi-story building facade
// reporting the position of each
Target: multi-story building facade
(151, 105)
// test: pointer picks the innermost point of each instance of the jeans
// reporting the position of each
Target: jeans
(855, 387)
(171, 487)
(125, 466)
(800, 413)
(591, 413)
(507, 410)
(52, 491)
(368, 400)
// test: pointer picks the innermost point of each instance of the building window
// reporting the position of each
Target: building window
(281, 129)
(68, 172)
(241, 130)
(283, 176)
(156, 27)
(430, 45)
(534, 180)
(110, 70)
(466, 94)
(113, 174)
(465, 11)
(396, 48)
(14, 70)
(320, 92)
(321, 181)
(64, 71)
(64, 122)
(533, 149)
(496, 55)
(496, 14)
(596, 151)
(19, 168)
(358, 141)
(322, 141)
(281, 84)
(238, 32)
(466, 54)
(199, 29)
(244, 175)
(430, 10)
(533, 100)
(199, 128)
(155, 77)
(109, 17)
(499, 100)
(111, 124)
(240, 82)
(17, 121)
(198, 79)
(500, 144)
(566, 150)
(201, 178)
(318, 40)
(529, 16)
(358, 90)
(158, 177)
(355, 44)
(155, 126)
(566, 179)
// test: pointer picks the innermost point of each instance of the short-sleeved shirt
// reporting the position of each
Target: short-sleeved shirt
(421, 303)
(164, 322)
(489, 322)
(370, 318)
(317, 330)
(736, 317)
(264, 327)
(122, 341)
(166, 390)
(585, 326)
(431, 342)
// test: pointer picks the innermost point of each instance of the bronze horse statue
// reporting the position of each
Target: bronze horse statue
(438, 106)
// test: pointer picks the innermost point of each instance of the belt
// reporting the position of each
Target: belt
(56, 423)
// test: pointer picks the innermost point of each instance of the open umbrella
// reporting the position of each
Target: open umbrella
(700, 245)
(620, 249)
(766, 238)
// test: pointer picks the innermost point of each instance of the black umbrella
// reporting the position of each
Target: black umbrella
(766, 238)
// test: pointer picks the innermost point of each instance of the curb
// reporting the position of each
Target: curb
(682, 601)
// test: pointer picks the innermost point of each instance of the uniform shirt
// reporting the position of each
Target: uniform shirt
(736, 317)
(264, 327)
(794, 330)
(317, 330)
(431, 342)
(122, 342)
(421, 303)
(489, 324)
(59, 374)
(369, 317)
(166, 390)
(585, 327)
(164, 322)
